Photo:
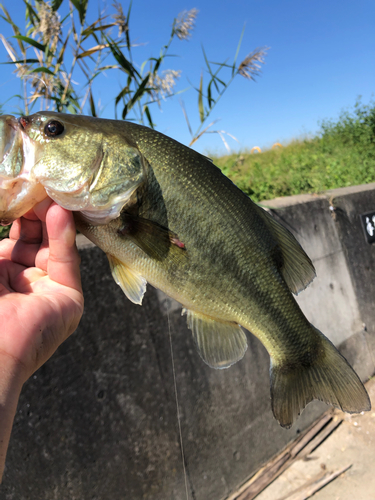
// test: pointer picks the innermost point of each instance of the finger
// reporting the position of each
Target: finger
(23, 281)
(18, 279)
(31, 215)
(7, 244)
(15, 230)
(27, 234)
(39, 213)
(64, 259)
(8, 274)
(29, 239)
(41, 209)
(6, 248)
(41, 259)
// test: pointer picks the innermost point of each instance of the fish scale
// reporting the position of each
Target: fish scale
(206, 190)
(164, 214)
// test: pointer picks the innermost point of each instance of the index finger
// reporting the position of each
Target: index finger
(28, 234)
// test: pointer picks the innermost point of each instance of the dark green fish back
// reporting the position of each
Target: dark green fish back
(190, 191)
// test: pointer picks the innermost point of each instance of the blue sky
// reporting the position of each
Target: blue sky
(321, 58)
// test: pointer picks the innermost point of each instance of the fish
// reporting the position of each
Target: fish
(166, 215)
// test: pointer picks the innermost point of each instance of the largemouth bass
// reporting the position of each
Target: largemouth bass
(166, 215)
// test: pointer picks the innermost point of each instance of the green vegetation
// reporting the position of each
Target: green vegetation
(342, 155)
(62, 44)
(59, 42)
(4, 231)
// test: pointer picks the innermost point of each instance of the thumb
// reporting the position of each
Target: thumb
(64, 259)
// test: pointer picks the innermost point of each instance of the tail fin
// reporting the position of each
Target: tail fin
(328, 378)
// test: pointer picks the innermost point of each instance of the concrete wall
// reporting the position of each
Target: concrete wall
(99, 420)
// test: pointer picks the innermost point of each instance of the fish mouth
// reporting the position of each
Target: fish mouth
(11, 164)
(6, 222)
(10, 147)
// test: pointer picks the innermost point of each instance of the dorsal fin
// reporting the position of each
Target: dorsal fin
(297, 269)
(220, 344)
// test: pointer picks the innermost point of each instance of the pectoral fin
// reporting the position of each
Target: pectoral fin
(155, 240)
(220, 344)
(132, 284)
(296, 267)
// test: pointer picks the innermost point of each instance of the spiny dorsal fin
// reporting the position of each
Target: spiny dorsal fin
(220, 344)
(327, 377)
(297, 269)
(155, 240)
(132, 284)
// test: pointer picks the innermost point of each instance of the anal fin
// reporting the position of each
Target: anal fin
(132, 284)
(220, 344)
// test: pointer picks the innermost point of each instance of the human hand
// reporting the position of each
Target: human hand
(41, 300)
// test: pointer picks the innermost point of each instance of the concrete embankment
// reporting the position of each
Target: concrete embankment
(99, 420)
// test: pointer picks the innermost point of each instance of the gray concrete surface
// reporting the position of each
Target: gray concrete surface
(353, 443)
(98, 421)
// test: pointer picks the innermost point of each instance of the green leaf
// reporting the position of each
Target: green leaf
(32, 42)
(218, 80)
(92, 29)
(56, 4)
(81, 6)
(139, 92)
(200, 100)
(89, 52)
(31, 14)
(16, 30)
(122, 94)
(213, 75)
(121, 59)
(124, 111)
(22, 61)
(92, 104)
(143, 65)
(207, 62)
(148, 115)
(62, 51)
(108, 66)
(127, 35)
(157, 65)
(237, 51)
(42, 69)
(209, 96)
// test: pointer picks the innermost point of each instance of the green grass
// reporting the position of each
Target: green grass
(343, 154)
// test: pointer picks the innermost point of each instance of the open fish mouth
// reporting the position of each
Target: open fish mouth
(10, 147)
(11, 162)
(17, 193)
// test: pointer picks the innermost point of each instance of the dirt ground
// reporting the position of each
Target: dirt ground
(352, 445)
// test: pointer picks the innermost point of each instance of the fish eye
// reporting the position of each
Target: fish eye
(53, 128)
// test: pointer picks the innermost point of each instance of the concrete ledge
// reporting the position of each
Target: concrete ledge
(98, 421)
